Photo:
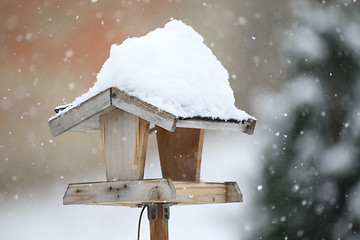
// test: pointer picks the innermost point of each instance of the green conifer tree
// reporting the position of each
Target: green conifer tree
(311, 178)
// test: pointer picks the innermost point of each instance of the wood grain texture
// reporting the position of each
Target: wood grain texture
(92, 125)
(143, 109)
(124, 139)
(81, 113)
(85, 116)
(128, 193)
(180, 153)
(233, 193)
(246, 125)
(159, 229)
(206, 193)
(138, 192)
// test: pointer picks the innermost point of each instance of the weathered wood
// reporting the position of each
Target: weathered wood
(138, 192)
(87, 109)
(180, 153)
(207, 193)
(90, 126)
(84, 117)
(143, 109)
(126, 193)
(233, 193)
(124, 139)
(159, 229)
(246, 126)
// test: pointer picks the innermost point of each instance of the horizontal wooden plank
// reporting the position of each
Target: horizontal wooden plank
(246, 126)
(136, 192)
(128, 192)
(205, 193)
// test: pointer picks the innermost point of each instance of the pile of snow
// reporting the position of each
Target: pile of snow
(172, 69)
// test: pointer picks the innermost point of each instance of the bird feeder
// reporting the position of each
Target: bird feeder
(123, 122)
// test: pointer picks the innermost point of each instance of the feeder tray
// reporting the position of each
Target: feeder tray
(124, 122)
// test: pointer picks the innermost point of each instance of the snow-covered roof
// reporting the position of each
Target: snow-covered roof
(170, 70)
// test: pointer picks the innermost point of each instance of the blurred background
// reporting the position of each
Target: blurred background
(295, 65)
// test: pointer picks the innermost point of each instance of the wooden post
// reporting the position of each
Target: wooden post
(159, 228)
(124, 139)
(180, 153)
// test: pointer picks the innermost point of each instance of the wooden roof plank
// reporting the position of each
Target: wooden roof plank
(85, 116)
(143, 110)
(246, 126)
(82, 112)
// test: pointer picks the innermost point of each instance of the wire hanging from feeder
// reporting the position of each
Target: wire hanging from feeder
(139, 224)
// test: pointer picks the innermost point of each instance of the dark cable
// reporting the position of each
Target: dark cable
(141, 213)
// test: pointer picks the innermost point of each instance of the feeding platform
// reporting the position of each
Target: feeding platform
(183, 99)
(124, 121)
(138, 192)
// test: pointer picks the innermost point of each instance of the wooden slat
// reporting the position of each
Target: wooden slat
(81, 113)
(124, 138)
(206, 193)
(180, 153)
(141, 144)
(143, 110)
(246, 126)
(156, 191)
(130, 193)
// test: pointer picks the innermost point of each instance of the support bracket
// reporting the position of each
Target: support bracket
(153, 212)
(166, 212)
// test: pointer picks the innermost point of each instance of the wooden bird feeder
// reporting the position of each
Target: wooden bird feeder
(124, 121)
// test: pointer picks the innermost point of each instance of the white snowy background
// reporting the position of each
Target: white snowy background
(50, 53)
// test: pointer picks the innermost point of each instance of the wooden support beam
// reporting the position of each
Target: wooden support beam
(124, 139)
(126, 193)
(180, 153)
(159, 228)
(189, 193)
(137, 192)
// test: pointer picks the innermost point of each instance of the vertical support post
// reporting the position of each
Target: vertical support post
(159, 225)
(180, 153)
(124, 140)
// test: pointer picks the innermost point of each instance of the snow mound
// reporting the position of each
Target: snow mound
(172, 69)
